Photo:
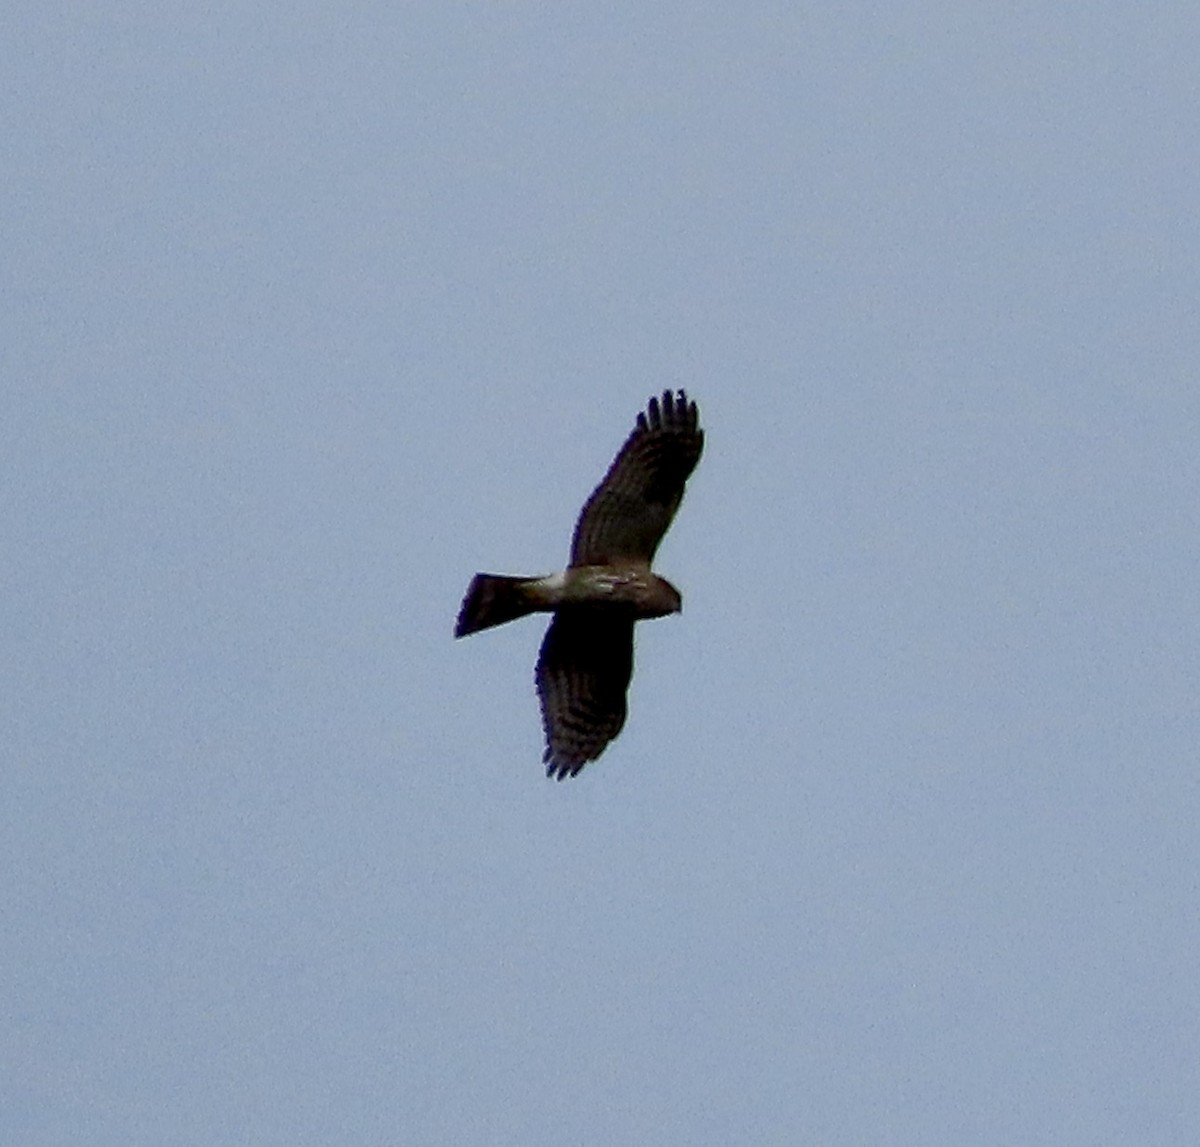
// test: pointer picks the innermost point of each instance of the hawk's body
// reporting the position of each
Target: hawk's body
(586, 659)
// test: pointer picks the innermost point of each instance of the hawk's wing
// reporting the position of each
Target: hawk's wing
(583, 671)
(628, 513)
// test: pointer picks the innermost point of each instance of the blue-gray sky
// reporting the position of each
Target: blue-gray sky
(311, 311)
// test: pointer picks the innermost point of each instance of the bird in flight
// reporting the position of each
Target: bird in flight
(586, 659)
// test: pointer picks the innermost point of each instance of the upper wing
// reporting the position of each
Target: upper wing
(583, 671)
(629, 511)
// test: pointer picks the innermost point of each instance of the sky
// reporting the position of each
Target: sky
(312, 311)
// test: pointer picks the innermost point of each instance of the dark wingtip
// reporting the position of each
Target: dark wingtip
(671, 409)
(561, 770)
(464, 624)
(674, 408)
(654, 413)
(461, 628)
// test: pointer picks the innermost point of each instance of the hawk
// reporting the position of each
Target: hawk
(586, 660)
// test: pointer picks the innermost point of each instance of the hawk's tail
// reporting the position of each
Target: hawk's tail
(493, 599)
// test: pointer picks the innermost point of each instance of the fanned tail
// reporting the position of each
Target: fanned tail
(493, 599)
